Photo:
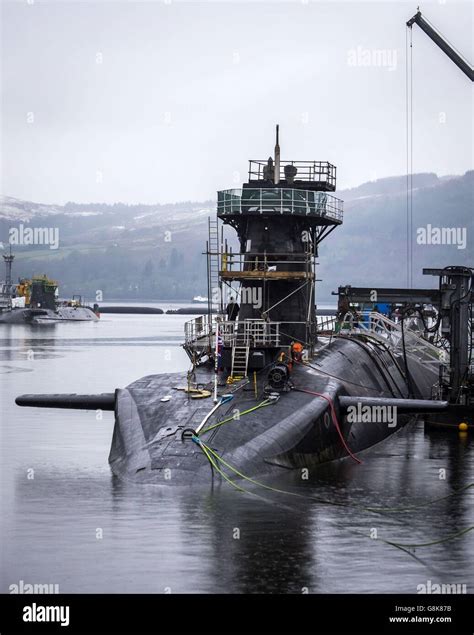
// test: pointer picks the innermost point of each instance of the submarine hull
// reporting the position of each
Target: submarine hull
(44, 316)
(297, 430)
(27, 316)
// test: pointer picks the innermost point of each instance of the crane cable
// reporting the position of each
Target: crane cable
(409, 150)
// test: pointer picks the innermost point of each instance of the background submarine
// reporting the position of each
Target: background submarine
(267, 392)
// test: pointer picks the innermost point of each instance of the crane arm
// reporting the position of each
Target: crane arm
(460, 62)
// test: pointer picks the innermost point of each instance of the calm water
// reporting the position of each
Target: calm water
(157, 540)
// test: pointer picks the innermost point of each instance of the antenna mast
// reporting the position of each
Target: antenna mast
(277, 157)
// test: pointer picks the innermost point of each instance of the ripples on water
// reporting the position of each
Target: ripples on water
(204, 540)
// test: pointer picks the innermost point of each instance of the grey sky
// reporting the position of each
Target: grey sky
(187, 92)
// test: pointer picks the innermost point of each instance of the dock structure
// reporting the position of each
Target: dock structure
(432, 325)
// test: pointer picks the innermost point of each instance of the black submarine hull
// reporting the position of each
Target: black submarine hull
(47, 316)
(308, 424)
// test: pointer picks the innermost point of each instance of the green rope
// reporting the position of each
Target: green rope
(406, 547)
(207, 451)
(217, 468)
(402, 546)
(426, 504)
(264, 403)
(325, 501)
(433, 542)
(272, 489)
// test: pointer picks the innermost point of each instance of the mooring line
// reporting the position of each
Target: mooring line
(207, 451)
(433, 542)
(212, 456)
(382, 510)
(421, 505)
(263, 404)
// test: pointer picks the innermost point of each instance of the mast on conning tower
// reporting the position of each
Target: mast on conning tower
(277, 157)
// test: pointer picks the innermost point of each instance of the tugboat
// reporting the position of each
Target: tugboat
(34, 301)
(265, 391)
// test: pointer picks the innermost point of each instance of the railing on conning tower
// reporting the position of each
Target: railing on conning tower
(315, 174)
(200, 332)
(274, 201)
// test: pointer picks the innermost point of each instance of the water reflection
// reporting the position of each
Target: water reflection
(218, 540)
(76, 525)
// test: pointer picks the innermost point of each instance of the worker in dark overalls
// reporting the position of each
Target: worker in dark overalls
(232, 310)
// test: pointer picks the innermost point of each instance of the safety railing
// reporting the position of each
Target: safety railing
(326, 324)
(390, 333)
(317, 172)
(254, 201)
(201, 332)
(197, 330)
(236, 261)
(257, 333)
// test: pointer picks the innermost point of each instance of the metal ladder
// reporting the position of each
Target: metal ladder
(213, 262)
(240, 360)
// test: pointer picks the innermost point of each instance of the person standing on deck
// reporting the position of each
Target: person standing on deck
(232, 310)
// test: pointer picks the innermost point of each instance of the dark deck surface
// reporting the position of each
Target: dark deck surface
(295, 432)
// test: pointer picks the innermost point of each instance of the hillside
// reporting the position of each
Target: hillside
(155, 251)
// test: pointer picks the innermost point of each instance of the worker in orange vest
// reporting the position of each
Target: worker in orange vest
(296, 353)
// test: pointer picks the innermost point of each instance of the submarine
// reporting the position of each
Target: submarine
(268, 390)
(34, 301)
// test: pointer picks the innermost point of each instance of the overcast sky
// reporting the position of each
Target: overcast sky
(165, 101)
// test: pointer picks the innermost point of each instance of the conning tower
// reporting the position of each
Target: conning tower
(281, 215)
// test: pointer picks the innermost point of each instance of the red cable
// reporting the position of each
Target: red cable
(334, 420)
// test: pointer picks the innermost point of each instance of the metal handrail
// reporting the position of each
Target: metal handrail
(279, 201)
(241, 261)
(326, 323)
(250, 332)
(310, 171)
(390, 332)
